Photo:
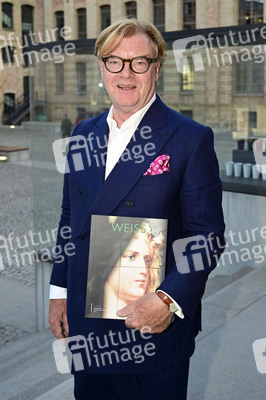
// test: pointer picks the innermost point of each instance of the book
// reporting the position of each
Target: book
(126, 261)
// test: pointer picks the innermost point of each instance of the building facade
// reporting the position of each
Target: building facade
(21, 20)
(226, 91)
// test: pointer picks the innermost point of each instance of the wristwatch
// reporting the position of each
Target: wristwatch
(167, 300)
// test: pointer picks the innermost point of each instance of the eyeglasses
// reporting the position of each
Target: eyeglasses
(139, 65)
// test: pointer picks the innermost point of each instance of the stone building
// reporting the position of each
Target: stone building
(21, 20)
(219, 81)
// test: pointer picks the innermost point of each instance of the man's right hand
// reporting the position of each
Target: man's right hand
(58, 318)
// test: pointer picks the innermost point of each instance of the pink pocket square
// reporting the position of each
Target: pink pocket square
(160, 165)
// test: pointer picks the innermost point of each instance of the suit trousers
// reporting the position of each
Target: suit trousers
(170, 384)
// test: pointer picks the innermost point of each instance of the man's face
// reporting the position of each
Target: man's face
(128, 91)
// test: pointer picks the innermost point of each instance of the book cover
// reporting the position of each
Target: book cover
(126, 261)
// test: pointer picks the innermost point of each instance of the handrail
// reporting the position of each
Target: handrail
(21, 103)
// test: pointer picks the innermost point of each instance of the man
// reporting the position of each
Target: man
(187, 193)
(66, 126)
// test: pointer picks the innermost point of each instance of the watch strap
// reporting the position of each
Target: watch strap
(166, 299)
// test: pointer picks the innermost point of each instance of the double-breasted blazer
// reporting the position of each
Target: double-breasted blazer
(188, 196)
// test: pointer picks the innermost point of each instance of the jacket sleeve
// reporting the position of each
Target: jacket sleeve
(63, 248)
(197, 252)
(59, 271)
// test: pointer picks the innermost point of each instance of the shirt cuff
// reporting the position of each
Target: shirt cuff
(57, 292)
(179, 311)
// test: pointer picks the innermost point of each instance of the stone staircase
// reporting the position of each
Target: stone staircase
(28, 370)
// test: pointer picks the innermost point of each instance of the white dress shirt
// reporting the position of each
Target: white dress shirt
(117, 142)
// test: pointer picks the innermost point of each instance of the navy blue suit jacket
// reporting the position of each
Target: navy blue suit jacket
(189, 197)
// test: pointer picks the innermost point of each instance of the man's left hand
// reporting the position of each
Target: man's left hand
(147, 311)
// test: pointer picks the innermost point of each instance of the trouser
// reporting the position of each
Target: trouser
(167, 384)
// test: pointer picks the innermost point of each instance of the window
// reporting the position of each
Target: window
(160, 83)
(105, 16)
(7, 55)
(159, 14)
(59, 76)
(82, 23)
(27, 28)
(60, 23)
(250, 77)
(81, 77)
(7, 15)
(9, 103)
(131, 9)
(187, 76)
(27, 19)
(250, 12)
(252, 120)
(187, 113)
(189, 14)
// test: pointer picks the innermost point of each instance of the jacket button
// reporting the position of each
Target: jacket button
(129, 203)
(81, 237)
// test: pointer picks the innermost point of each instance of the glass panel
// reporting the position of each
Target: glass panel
(59, 77)
(82, 23)
(159, 14)
(8, 54)
(81, 72)
(27, 29)
(27, 19)
(250, 77)
(60, 23)
(213, 86)
(131, 8)
(189, 14)
(105, 16)
(187, 76)
(250, 11)
(7, 16)
(9, 103)
(81, 77)
(222, 87)
(160, 83)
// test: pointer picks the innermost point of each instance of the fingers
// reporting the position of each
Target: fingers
(140, 321)
(135, 324)
(58, 318)
(57, 329)
(126, 311)
(137, 320)
(128, 322)
(65, 326)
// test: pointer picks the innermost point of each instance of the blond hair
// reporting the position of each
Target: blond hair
(110, 38)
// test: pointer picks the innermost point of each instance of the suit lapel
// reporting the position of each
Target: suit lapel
(96, 171)
(127, 171)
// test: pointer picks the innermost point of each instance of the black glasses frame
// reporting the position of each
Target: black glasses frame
(130, 60)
